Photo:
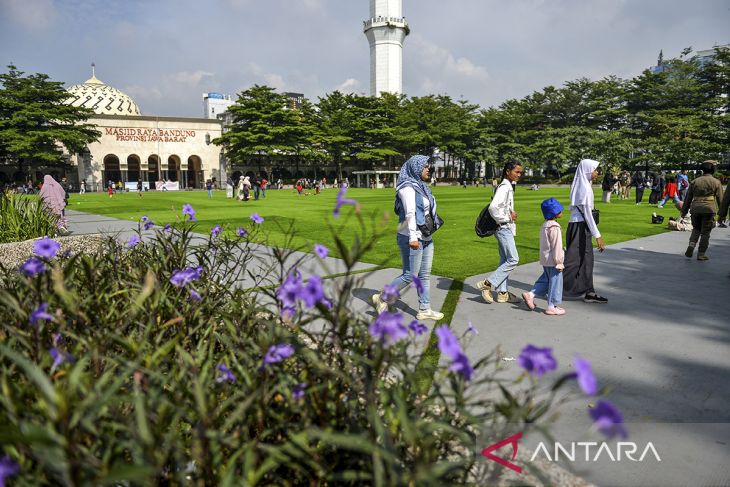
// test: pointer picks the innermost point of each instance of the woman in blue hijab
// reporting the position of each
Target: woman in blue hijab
(417, 217)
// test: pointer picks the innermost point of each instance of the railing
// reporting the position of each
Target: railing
(392, 21)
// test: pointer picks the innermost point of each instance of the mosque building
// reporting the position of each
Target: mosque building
(162, 152)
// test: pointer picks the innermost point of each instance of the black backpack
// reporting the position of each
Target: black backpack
(486, 226)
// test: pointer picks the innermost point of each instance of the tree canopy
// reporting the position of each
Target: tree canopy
(36, 124)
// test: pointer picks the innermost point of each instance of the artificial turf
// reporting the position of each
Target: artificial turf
(459, 253)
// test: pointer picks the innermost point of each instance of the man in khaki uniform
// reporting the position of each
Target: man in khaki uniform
(703, 198)
(722, 216)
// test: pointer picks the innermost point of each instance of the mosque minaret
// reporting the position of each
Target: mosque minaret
(386, 29)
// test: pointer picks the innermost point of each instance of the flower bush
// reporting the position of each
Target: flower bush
(24, 217)
(170, 362)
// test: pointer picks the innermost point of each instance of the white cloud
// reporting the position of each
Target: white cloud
(36, 16)
(350, 85)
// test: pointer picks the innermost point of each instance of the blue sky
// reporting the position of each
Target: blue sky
(166, 53)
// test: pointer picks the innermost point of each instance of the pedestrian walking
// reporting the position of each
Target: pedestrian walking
(703, 200)
(582, 228)
(502, 209)
(54, 198)
(82, 187)
(264, 184)
(552, 256)
(638, 181)
(682, 184)
(607, 186)
(724, 208)
(140, 187)
(209, 187)
(416, 209)
(670, 191)
(256, 183)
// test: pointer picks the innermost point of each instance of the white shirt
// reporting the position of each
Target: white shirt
(408, 227)
(503, 204)
(576, 216)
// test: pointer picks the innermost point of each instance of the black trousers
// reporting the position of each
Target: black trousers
(639, 194)
(654, 196)
(578, 273)
(702, 225)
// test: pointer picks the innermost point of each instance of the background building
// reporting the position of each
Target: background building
(215, 103)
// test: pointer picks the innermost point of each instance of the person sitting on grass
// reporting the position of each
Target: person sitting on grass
(552, 255)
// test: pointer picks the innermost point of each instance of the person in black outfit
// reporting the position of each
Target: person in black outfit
(638, 182)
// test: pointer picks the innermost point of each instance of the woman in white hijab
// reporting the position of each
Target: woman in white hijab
(582, 228)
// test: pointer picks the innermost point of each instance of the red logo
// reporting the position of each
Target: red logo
(487, 452)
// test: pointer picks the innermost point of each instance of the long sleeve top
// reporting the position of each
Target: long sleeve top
(409, 227)
(704, 196)
(551, 245)
(503, 204)
(670, 190)
(577, 216)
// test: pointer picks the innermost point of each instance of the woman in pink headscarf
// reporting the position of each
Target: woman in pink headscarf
(54, 198)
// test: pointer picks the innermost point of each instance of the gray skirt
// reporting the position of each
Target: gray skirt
(578, 273)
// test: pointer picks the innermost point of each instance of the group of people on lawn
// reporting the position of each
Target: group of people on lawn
(566, 272)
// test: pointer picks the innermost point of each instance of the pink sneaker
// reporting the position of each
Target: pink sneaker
(556, 311)
(529, 300)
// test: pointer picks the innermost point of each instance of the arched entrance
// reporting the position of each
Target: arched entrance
(111, 169)
(195, 173)
(134, 165)
(173, 168)
(153, 169)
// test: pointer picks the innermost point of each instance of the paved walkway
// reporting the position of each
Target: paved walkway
(661, 345)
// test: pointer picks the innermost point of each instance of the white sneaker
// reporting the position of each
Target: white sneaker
(380, 305)
(429, 314)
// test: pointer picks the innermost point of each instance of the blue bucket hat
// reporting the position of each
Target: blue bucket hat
(550, 208)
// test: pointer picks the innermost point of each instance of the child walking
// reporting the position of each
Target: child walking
(550, 283)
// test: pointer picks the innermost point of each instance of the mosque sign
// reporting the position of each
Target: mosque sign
(125, 134)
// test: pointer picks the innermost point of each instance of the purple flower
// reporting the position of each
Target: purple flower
(40, 313)
(584, 373)
(144, 218)
(326, 302)
(256, 218)
(241, 232)
(60, 358)
(216, 230)
(8, 468)
(277, 353)
(321, 251)
(46, 247)
(289, 291)
(194, 296)
(298, 391)
(168, 228)
(342, 201)
(390, 294)
(188, 210)
(312, 293)
(471, 329)
(224, 374)
(184, 277)
(58, 339)
(450, 346)
(462, 366)
(148, 224)
(388, 328)
(133, 241)
(418, 328)
(537, 361)
(32, 267)
(418, 284)
(608, 419)
(287, 313)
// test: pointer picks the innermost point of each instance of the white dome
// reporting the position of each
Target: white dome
(103, 99)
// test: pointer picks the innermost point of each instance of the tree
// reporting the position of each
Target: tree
(36, 125)
(263, 125)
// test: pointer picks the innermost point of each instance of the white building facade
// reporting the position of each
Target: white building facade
(134, 147)
(215, 104)
(386, 29)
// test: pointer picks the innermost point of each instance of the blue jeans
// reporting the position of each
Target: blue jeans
(210, 193)
(550, 285)
(664, 200)
(416, 262)
(508, 259)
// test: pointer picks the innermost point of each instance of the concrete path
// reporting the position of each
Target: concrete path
(661, 346)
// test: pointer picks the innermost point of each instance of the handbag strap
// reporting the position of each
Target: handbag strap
(584, 216)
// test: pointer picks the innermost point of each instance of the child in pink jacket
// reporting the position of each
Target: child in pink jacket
(550, 283)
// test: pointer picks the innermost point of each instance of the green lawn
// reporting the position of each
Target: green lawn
(459, 252)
